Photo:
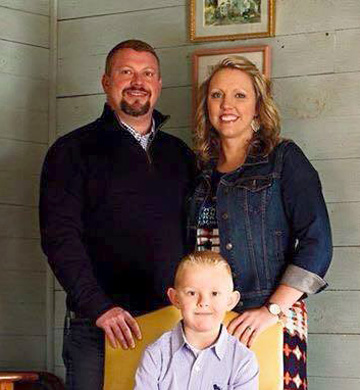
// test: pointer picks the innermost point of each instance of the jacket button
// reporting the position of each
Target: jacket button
(229, 246)
(225, 216)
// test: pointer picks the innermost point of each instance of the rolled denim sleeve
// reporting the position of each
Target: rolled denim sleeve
(309, 223)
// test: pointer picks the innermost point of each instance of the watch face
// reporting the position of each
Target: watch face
(274, 309)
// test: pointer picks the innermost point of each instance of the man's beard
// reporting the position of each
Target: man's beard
(135, 109)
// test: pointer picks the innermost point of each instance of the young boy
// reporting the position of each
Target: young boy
(199, 354)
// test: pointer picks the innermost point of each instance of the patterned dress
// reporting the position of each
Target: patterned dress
(295, 321)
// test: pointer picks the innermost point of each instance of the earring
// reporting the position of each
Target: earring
(255, 125)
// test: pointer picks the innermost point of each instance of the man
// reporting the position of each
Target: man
(111, 213)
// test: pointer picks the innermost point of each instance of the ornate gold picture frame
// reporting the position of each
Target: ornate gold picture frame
(221, 20)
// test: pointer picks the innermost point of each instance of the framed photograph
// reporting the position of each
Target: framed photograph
(221, 20)
(204, 60)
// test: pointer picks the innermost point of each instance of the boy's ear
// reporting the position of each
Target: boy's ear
(233, 300)
(173, 297)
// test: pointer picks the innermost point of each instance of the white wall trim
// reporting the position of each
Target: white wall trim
(52, 136)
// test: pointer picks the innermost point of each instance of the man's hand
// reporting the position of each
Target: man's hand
(119, 326)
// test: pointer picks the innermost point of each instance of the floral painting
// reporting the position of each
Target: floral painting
(227, 12)
(218, 20)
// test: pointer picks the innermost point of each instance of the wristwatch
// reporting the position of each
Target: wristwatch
(274, 309)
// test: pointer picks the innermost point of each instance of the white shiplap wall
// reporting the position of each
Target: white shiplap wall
(24, 55)
(316, 73)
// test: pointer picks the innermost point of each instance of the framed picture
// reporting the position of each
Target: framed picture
(221, 20)
(204, 60)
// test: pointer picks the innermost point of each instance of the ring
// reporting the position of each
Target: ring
(248, 328)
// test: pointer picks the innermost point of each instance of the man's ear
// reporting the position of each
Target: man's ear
(173, 297)
(233, 300)
(105, 82)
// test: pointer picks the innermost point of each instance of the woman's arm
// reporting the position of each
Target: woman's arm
(309, 223)
(252, 322)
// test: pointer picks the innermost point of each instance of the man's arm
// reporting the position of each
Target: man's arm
(62, 231)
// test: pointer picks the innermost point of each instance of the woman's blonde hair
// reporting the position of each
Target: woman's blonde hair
(201, 258)
(207, 142)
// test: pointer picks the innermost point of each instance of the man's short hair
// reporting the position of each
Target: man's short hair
(134, 44)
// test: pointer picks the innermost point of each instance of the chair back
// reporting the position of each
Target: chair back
(121, 365)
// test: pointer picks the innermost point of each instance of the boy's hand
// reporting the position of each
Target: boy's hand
(119, 326)
(249, 324)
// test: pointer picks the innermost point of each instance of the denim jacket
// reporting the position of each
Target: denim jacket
(273, 223)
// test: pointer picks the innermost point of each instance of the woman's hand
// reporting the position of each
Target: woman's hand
(251, 323)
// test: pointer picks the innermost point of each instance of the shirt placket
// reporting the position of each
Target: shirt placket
(196, 374)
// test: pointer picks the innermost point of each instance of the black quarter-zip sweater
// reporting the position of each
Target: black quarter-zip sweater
(112, 215)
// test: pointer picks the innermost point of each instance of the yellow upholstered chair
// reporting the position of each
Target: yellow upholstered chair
(120, 365)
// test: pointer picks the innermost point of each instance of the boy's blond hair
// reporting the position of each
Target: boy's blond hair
(201, 258)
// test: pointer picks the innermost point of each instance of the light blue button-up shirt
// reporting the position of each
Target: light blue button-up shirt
(171, 364)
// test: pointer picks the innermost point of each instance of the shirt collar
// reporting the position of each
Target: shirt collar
(134, 132)
(178, 341)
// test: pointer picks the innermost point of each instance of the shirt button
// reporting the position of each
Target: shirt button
(225, 216)
(229, 246)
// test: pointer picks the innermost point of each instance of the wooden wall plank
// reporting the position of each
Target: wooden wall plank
(60, 372)
(19, 156)
(325, 138)
(20, 319)
(340, 179)
(78, 111)
(33, 96)
(318, 96)
(80, 8)
(23, 124)
(22, 288)
(16, 252)
(58, 344)
(34, 6)
(22, 352)
(312, 97)
(345, 225)
(60, 309)
(293, 55)
(171, 30)
(18, 222)
(293, 16)
(19, 189)
(24, 60)
(320, 138)
(334, 356)
(24, 27)
(347, 58)
(325, 308)
(344, 272)
(332, 383)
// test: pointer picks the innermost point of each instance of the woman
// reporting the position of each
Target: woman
(258, 201)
